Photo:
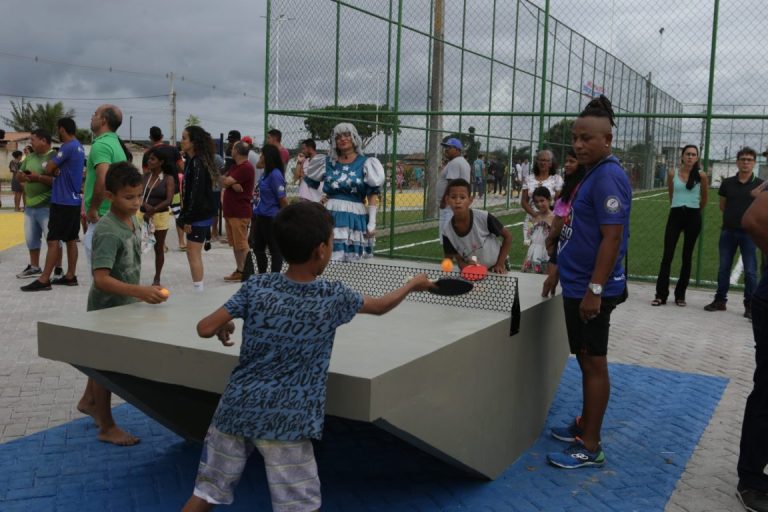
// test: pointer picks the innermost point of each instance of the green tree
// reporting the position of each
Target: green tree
(25, 117)
(468, 141)
(519, 154)
(84, 136)
(320, 122)
(558, 139)
(191, 120)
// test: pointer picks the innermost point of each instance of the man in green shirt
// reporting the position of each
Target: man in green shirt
(105, 150)
(37, 198)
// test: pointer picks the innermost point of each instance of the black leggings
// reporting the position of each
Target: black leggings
(688, 221)
(263, 238)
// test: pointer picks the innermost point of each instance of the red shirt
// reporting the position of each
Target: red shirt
(284, 155)
(238, 204)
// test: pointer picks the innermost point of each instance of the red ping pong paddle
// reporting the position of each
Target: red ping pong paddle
(474, 272)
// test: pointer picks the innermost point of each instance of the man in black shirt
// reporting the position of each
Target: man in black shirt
(736, 195)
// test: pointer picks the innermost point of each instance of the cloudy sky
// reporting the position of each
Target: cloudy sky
(222, 44)
(211, 43)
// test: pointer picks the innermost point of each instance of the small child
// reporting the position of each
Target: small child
(275, 398)
(116, 270)
(537, 258)
(474, 232)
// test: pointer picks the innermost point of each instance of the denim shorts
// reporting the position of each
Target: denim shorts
(35, 226)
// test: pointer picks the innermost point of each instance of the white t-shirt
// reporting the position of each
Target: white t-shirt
(312, 166)
(454, 169)
(554, 183)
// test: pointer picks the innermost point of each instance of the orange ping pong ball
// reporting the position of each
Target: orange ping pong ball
(447, 265)
(164, 292)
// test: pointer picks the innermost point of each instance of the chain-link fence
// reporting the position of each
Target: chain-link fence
(507, 78)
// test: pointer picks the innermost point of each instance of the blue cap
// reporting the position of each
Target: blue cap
(452, 143)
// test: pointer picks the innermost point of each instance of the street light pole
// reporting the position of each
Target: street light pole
(280, 19)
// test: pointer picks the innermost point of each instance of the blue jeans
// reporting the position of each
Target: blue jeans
(730, 240)
(35, 226)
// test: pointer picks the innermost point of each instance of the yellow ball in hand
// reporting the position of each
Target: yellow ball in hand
(447, 265)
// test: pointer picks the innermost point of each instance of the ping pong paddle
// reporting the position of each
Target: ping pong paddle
(451, 286)
(474, 272)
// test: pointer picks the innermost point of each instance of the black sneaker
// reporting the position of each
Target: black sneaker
(748, 312)
(64, 280)
(752, 500)
(207, 245)
(36, 286)
(58, 272)
(30, 271)
(715, 305)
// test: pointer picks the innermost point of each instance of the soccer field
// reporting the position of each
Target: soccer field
(648, 220)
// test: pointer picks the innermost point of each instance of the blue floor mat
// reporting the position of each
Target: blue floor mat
(654, 421)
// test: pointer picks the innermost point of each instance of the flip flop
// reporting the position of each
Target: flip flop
(658, 302)
(680, 302)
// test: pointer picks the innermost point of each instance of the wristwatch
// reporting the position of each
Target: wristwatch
(596, 289)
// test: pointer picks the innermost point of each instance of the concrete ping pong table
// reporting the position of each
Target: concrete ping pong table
(442, 373)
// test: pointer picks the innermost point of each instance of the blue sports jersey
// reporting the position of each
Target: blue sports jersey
(604, 197)
(70, 159)
(277, 389)
(271, 190)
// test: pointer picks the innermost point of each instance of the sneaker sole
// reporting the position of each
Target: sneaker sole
(583, 465)
(19, 276)
(563, 438)
(746, 507)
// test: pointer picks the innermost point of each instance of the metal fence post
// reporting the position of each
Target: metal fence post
(708, 129)
(396, 108)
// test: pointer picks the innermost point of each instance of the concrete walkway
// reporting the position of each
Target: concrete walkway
(36, 394)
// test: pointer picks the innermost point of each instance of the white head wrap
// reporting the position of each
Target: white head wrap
(349, 128)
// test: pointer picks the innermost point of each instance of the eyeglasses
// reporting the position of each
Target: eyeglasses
(745, 159)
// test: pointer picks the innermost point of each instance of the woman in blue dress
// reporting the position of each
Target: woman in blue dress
(351, 184)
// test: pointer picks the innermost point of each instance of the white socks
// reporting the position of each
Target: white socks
(199, 286)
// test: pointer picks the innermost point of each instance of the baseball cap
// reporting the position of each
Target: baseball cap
(247, 140)
(452, 143)
(233, 135)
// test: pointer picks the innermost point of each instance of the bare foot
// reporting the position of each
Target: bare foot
(118, 436)
(88, 410)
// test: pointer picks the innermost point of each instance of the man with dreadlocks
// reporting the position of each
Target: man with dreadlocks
(591, 248)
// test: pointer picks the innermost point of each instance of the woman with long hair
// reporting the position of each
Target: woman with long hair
(688, 196)
(271, 199)
(351, 184)
(542, 175)
(198, 205)
(574, 173)
(159, 189)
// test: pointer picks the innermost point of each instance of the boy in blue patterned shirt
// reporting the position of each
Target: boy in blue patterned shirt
(275, 398)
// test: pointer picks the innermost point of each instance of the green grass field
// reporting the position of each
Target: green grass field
(648, 220)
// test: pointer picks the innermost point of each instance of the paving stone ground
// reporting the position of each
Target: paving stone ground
(37, 394)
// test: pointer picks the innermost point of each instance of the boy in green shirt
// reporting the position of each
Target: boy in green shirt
(116, 271)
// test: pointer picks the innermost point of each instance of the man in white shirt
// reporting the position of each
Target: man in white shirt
(456, 167)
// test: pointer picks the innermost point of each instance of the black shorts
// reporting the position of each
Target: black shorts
(63, 223)
(590, 337)
(199, 234)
